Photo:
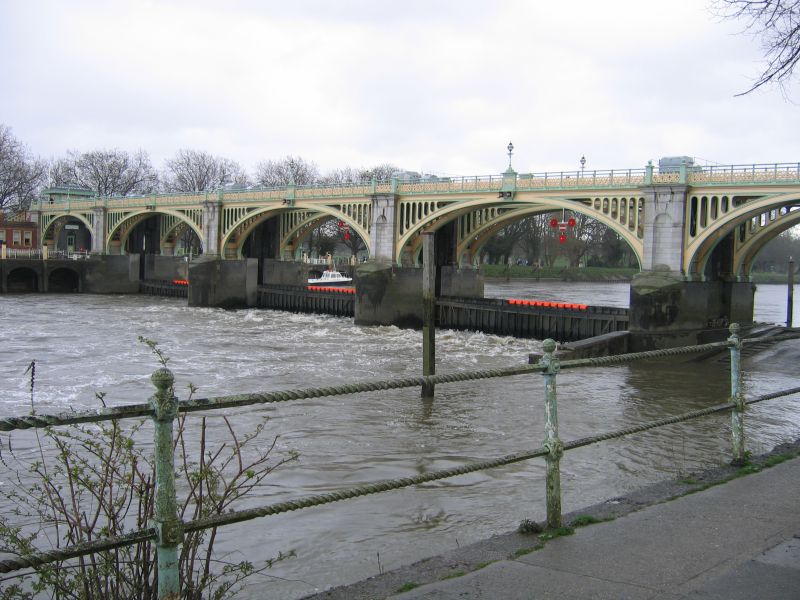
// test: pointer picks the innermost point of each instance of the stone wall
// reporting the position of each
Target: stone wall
(391, 295)
(111, 274)
(666, 310)
(223, 283)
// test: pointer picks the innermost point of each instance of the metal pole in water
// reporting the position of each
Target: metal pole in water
(737, 398)
(169, 529)
(790, 294)
(552, 443)
(428, 312)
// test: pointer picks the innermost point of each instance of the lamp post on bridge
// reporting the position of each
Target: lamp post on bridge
(583, 163)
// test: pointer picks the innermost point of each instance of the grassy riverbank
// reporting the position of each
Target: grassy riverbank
(593, 274)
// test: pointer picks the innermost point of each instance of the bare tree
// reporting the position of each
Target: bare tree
(198, 171)
(273, 173)
(382, 172)
(777, 24)
(21, 174)
(107, 172)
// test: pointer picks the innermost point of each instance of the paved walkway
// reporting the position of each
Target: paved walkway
(735, 541)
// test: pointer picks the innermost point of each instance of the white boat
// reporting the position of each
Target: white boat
(331, 277)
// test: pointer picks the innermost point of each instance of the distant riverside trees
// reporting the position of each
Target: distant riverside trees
(271, 173)
(106, 172)
(21, 174)
(198, 171)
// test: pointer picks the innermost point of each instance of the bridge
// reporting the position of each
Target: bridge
(702, 222)
(695, 232)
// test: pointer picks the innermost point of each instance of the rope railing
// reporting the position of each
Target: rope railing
(242, 400)
(164, 407)
(219, 520)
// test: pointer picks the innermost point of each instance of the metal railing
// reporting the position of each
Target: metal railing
(163, 407)
(752, 174)
(24, 253)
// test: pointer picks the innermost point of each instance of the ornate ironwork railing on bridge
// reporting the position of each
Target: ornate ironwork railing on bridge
(694, 175)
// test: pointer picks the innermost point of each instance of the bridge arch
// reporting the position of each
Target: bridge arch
(699, 247)
(237, 232)
(63, 280)
(621, 215)
(120, 226)
(22, 279)
(749, 249)
(55, 224)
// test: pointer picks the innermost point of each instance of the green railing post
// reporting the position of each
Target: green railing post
(552, 443)
(428, 312)
(166, 522)
(737, 397)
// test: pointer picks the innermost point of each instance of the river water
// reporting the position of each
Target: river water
(83, 344)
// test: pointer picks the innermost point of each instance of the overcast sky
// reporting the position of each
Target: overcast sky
(434, 86)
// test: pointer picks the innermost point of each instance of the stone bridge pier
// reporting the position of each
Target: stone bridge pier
(668, 307)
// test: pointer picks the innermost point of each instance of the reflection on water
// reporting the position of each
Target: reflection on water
(82, 344)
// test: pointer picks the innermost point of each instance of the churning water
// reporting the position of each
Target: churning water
(84, 344)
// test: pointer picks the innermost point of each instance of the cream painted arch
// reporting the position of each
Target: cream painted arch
(89, 225)
(482, 235)
(698, 250)
(132, 219)
(249, 221)
(748, 251)
(538, 204)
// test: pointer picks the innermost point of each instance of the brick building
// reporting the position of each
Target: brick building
(18, 231)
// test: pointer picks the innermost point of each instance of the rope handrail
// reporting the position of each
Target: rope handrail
(134, 537)
(240, 400)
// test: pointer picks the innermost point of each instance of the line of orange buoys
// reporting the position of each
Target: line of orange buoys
(324, 288)
(544, 304)
(180, 281)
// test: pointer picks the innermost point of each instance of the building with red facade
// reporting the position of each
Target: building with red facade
(18, 232)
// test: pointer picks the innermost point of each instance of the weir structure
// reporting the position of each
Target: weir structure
(694, 231)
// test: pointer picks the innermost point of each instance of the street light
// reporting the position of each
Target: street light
(510, 148)
(583, 163)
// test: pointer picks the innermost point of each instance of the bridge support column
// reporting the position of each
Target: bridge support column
(664, 227)
(665, 308)
(99, 230)
(382, 227)
(211, 223)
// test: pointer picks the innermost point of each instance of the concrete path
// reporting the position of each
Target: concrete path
(735, 541)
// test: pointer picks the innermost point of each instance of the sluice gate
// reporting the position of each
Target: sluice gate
(564, 322)
(308, 299)
(169, 289)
